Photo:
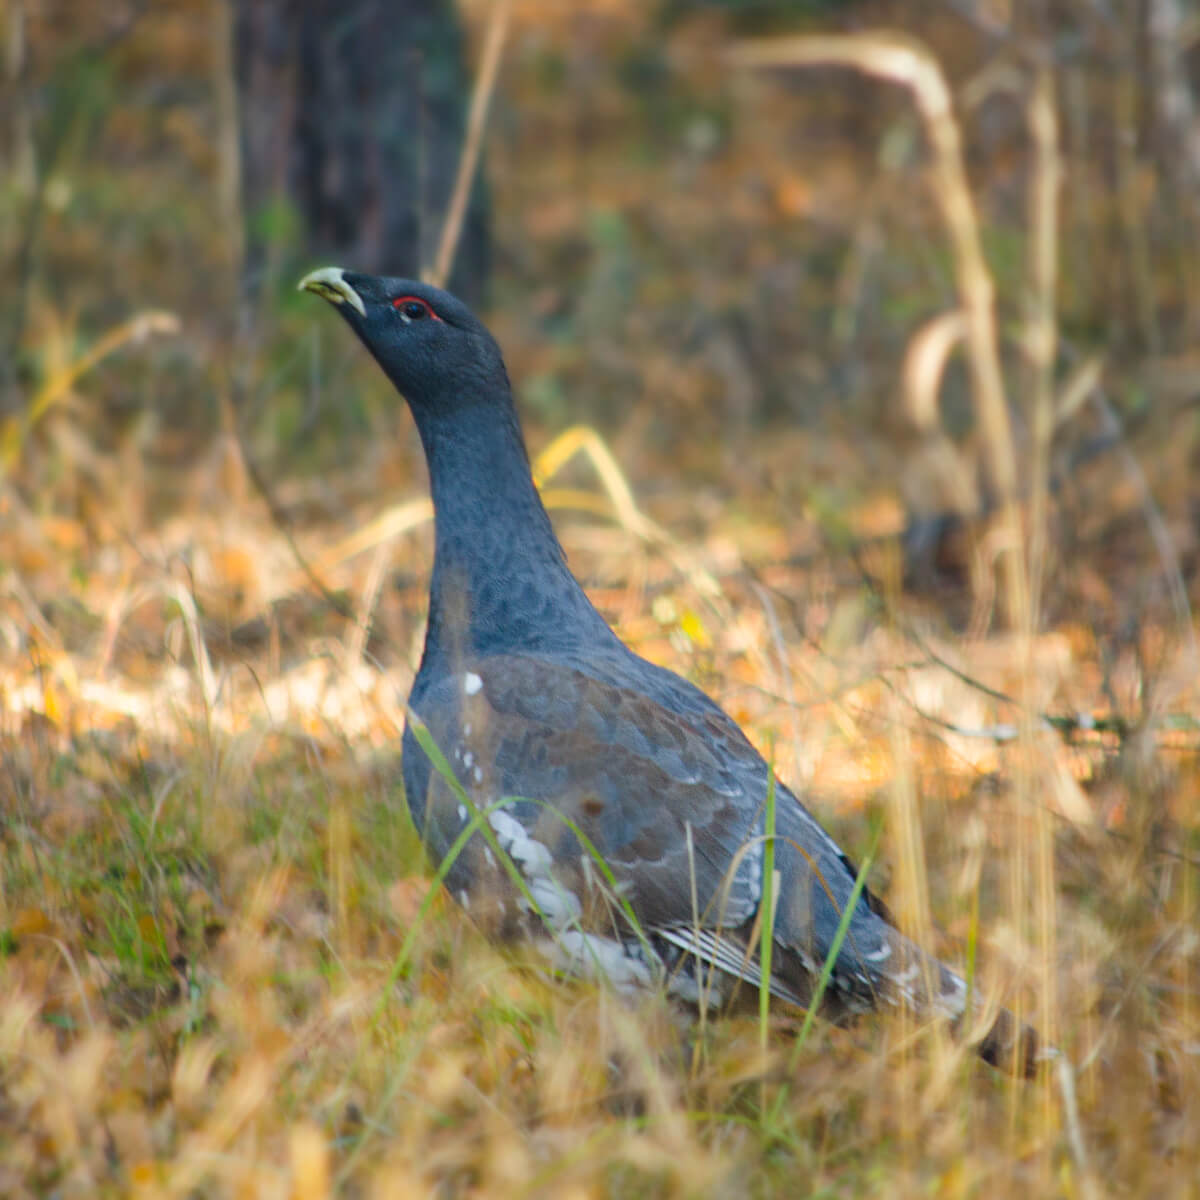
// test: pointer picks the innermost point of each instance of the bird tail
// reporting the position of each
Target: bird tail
(911, 978)
(1013, 1046)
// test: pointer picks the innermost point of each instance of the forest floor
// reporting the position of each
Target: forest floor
(223, 969)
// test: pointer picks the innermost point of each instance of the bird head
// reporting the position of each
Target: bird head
(431, 346)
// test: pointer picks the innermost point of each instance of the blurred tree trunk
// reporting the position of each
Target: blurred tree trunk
(1179, 114)
(20, 167)
(352, 115)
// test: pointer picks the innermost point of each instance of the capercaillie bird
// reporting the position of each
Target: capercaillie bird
(578, 749)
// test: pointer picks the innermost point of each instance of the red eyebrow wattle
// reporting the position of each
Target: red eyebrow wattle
(399, 300)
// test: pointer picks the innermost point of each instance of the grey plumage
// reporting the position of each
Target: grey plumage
(573, 743)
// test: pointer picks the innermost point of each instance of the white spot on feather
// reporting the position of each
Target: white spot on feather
(527, 851)
(752, 865)
(468, 760)
(598, 957)
(557, 904)
(952, 1003)
(462, 812)
(471, 683)
(684, 985)
(478, 774)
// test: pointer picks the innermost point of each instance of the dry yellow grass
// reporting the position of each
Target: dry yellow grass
(217, 976)
(207, 884)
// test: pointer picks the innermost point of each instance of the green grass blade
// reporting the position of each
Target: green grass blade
(479, 821)
(767, 942)
(835, 948)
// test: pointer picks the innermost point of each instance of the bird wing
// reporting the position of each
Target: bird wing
(665, 789)
(654, 796)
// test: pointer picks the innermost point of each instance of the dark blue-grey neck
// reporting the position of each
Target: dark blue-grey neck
(500, 579)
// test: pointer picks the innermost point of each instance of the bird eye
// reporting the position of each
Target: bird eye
(411, 309)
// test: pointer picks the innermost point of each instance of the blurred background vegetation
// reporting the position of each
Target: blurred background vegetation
(685, 254)
(734, 276)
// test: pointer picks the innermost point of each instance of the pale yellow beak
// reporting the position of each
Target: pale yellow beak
(330, 283)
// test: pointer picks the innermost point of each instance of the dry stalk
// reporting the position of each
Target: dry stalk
(356, 642)
(60, 381)
(925, 365)
(190, 617)
(1041, 330)
(911, 869)
(390, 523)
(229, 151)
(1130, 203)
(582, 439)
(621, 505)
(1040, 337)
(786, 677)
(481, 98)
(912, 66)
